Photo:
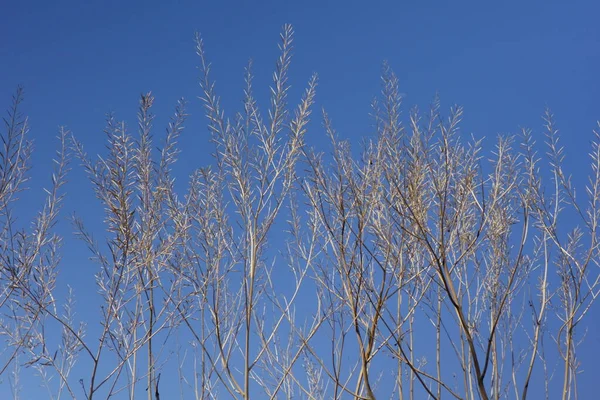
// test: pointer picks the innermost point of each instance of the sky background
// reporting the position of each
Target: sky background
(503, 61)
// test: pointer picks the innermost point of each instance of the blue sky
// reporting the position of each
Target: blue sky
(503, 61)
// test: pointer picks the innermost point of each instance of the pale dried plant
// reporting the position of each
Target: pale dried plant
(30, 256)
(424, 231)
(425, 267)
(237, 314)
(145, 225)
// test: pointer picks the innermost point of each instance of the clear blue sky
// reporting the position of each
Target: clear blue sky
(503, 61)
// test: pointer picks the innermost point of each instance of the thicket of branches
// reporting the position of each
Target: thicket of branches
(421, 269)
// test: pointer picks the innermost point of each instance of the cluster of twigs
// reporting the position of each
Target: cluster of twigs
(421, 268)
